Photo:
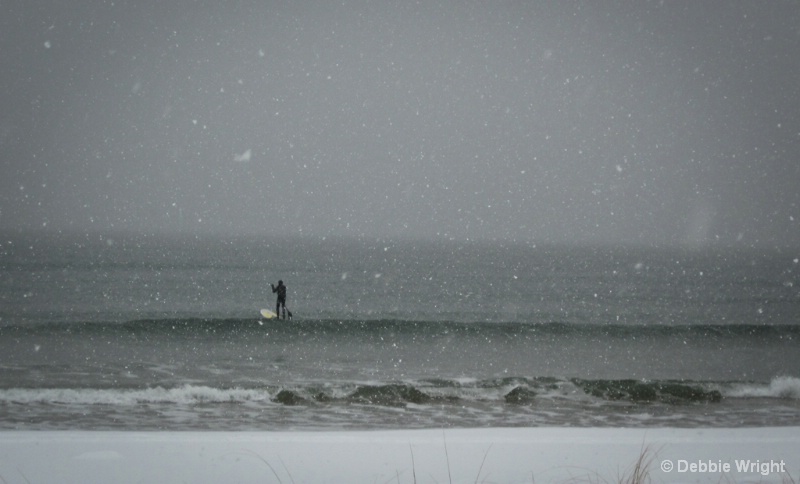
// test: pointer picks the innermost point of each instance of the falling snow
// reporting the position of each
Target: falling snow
(581, 123)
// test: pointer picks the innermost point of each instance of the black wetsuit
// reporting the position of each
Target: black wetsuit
(281, 290)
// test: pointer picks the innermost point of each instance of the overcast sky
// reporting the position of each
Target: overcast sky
(672, 122)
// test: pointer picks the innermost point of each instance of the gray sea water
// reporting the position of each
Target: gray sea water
(165, 333)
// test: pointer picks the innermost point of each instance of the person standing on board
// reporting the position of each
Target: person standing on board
(281, 290)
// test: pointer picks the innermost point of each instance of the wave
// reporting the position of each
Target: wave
(509, 391)
(222, 326)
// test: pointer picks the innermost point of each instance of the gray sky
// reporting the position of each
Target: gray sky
(671, 122)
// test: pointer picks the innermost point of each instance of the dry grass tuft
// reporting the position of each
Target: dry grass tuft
(640, 473)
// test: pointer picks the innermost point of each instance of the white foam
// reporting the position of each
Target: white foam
(786, 387)
(186, 394)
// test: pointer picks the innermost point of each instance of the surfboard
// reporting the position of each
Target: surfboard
(267, 314)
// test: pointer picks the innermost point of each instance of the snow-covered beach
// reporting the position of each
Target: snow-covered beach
(503, 455)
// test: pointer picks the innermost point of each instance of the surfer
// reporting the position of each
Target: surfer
(281, 290)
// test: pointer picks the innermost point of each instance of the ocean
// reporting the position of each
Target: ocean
(164, 333)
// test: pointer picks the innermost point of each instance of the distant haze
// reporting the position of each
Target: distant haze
(671, 122)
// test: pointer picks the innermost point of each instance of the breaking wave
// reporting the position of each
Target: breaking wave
(511, 391)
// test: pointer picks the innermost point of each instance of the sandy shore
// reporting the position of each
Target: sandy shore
(521, 455)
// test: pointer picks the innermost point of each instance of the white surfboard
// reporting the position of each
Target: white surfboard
(267, 314)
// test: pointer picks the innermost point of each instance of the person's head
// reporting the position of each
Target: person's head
(280, 283)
